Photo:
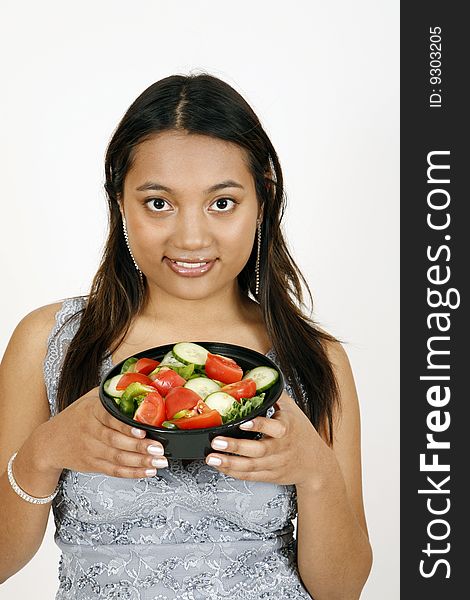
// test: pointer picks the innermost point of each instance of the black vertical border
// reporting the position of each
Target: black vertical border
(424, 129)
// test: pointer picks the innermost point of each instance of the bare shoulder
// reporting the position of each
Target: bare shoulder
(29, 337)
(38, 320)
(337, 356)
(23, 402)
(334, 349)
(339, 359)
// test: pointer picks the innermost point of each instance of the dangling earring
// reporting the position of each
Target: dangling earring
(124, 226)
(257, 257)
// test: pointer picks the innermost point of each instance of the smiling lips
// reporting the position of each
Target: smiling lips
(189, 268)
(189, 265)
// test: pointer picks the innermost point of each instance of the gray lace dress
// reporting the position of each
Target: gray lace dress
(190, 532)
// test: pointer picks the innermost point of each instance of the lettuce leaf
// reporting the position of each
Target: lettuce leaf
(243, 408)
(185, 372)
(130, 362)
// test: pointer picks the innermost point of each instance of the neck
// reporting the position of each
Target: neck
(226, 307)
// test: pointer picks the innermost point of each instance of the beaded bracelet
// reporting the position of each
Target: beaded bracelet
(22, 493)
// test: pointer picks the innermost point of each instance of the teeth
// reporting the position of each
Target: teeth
(190, 265)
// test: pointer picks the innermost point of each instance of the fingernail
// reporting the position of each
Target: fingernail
(137, 432)
(155, 450)
(247, 425)
(219, 444)
(213, 460)
(151, 472)
(160, 463)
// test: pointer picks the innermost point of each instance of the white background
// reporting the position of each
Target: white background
(322, 77)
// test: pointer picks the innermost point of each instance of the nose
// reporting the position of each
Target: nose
(192, 230)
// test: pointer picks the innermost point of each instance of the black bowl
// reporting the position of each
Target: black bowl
(196, 443)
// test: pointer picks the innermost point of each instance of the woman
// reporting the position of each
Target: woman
(191, 177)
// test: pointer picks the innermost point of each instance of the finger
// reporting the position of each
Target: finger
(233, 462)
(243, 447)
(123, 458)
(114, 470)
(272, 427)
(106, 419)
(116, 439)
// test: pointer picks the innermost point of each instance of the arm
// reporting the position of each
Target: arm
(24, 408)
(83, 437)
(334, 553)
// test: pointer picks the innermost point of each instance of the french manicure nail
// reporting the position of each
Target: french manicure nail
(219, 444)
(214, 461)
(155, 450)
(137, 432)
(151, 472)
(247, 425)
(161, 463)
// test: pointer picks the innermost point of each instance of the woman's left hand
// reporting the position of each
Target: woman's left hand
(290, 451)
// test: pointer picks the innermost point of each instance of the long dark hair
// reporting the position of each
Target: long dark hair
(203, 104)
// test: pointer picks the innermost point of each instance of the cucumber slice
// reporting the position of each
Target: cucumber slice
(221, 401)
(110, 387)
(170, 360)
(264, 377)
(188, 353)
(202, 386)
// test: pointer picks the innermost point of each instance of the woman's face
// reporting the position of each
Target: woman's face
(190, 197)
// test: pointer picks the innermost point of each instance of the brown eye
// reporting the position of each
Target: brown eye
(155, 204)
(222, 203)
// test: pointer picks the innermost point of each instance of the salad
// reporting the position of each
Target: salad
(190, 388)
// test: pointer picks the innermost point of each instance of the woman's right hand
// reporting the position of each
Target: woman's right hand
(86, 437)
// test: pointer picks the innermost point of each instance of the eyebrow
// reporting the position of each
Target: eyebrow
(153, 185)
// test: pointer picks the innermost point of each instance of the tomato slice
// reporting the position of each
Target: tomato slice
(246, 388)
(179, 398)
(211, 418)
(145, 365)
(129, 378)
(223, 368)
(167, 379)
(151, 410)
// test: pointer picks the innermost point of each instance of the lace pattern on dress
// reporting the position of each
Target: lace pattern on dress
(57, 343)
